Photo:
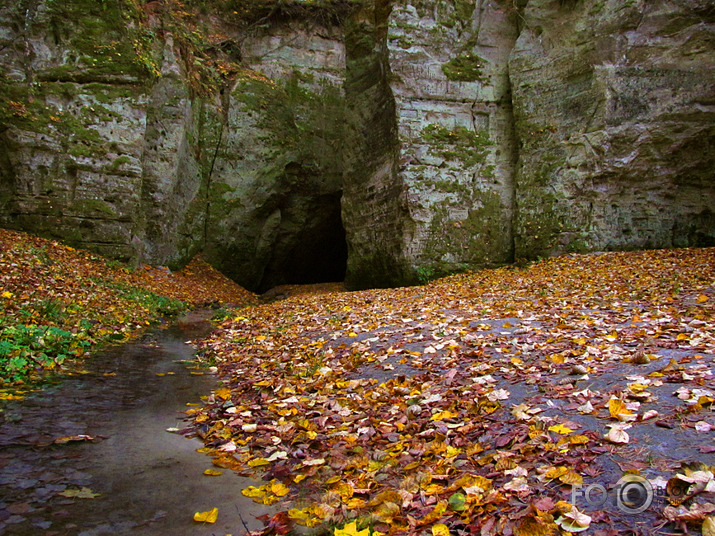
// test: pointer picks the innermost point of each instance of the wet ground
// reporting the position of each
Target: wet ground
(128, 475)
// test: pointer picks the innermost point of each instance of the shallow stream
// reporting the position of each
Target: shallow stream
(149, 481)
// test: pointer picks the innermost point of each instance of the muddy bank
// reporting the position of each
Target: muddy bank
(147, 480)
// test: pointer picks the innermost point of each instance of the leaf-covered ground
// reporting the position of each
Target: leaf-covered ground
(57, 303)
(482, 403)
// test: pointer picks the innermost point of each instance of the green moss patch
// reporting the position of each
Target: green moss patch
(468, 146)
(465, 68)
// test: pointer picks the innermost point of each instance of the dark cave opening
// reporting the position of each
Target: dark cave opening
(311, 246)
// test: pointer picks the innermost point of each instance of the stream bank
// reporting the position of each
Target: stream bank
(147, 481)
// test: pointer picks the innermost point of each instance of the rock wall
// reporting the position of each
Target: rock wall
(72, 131)
(116, 148)
(384, 142)
(449, 67)
(374, 209)
(613, 104)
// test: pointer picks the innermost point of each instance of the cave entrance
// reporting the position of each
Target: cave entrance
(311, 246)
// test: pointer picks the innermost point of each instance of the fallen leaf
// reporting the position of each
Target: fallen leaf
(574, 521)
(351, 530)
(71, 439)
(617, 409)
(560, 429)
(84, 493)
(207, 517)
(279, 489)
(702, 426)
(440, 530)
(708, 528)
(618, 434)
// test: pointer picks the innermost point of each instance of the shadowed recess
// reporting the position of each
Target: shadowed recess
(315, 252)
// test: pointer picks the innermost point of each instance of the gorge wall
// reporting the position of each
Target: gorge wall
(384, 142)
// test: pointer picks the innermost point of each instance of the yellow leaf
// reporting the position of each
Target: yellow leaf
(433, 489)
(442, 415)
(224, 393)
(681, 337)
(84, 493)
(352, 334)
(440, 530)
(299, 478)
(436, 513)
(212, 472)
(452, 451)
(279, 489)
(637, 387)
(556, 472)
(571, 478)
(386, 512)
(354, 504)
(345, 490)
(253, 492)
(258, 462)
(6, 294)
(10, 396)
(617, 407)
(207, 517)
(351, 530)
(702, 299)
(300, 515)
(578, 440)
(709, 526)
(560, 429)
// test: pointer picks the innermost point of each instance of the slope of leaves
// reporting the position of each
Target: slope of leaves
(57, 303)
(477, 403)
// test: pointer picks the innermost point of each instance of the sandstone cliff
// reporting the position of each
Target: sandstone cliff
(387, 142)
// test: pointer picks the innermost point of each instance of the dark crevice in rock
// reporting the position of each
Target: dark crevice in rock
(310, 245)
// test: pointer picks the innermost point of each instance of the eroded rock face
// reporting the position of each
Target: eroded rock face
(387, 142)
(613, 104)
(449, 67)
(72, 132)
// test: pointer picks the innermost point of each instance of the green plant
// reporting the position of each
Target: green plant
(42, 255)
(221, 314)
(464, 68)
(50, 309)
(425, 274)
(23, 348)
(154, 303)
